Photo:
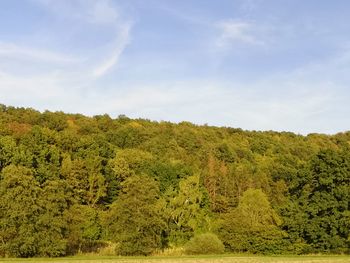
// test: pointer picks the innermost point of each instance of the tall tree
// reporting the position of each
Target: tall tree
(31, 218)
(134, 219)
(322, 216)
(252, 226)
(187, 210)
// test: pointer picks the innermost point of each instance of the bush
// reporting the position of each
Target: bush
(266, 241)
(207, 243)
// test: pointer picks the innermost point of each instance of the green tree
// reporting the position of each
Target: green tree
(7, 150)
(50, 223)
(126, 163)
(31, 218)
(85, 179)
(322, 193)
(187, 211)
(253, 226)
(134, 219)
(84, 228)
(19, 206)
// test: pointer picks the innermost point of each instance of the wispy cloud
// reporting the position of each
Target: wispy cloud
(237, 32)
(104, 15)
(51, 78)
(294, 101)
(234, 104)
(90, 63)
(46, 87)
(304, 100)
(10, 50)
(112, 59)
(85, 40)
(101, 12)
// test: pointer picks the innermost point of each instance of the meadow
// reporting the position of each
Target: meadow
(187, 259)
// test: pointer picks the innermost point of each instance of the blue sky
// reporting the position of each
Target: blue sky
(254, 64)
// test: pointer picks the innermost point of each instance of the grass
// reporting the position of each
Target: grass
(187, 259)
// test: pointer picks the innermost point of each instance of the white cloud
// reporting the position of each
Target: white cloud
(303, 101)
(90, 63)
(47, 78)
(295, 101)
(101, 12)
(112, 59)
(15, 89)
(233, 32)
(312, 98)
(10, 50)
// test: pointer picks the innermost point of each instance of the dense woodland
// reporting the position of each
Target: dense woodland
(73, 184)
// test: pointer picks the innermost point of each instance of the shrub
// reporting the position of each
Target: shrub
(207, 243)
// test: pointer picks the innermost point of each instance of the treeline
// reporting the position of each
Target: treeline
(71, 183)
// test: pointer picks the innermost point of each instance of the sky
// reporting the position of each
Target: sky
(280, 65)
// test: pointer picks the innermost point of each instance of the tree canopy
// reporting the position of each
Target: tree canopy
(70, 183)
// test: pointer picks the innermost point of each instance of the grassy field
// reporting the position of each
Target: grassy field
(197, 259)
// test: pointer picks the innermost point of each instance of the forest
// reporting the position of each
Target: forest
(73, 184)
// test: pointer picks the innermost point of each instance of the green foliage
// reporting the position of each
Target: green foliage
(129, 135)
(83, 227)
(321, 216)
(186, 213)
(134, 219)
(71, 184)
(7, 150)
(225, 153)
(85, 179)
(255, 210)
(253, 226)
(168, 174)
(207, 243)
(31, 222)
(50, 223)
(19, 194)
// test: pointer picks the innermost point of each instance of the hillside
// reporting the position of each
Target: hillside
(71, 183)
